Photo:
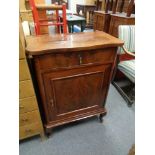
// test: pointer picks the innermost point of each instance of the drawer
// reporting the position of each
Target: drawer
(26, 89)
(24, 73)
(29, 117)
(27, 104)
(30, 130)
(98, 56)
(57, 61)
(75, 59)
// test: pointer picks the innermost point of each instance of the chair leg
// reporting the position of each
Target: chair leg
(124, 95)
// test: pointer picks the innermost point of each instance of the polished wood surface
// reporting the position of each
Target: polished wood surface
(70, 42)
(73, 74)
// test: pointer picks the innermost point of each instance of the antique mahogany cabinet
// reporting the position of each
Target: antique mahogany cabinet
(73, 73)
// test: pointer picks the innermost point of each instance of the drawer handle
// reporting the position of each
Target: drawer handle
(80, 59)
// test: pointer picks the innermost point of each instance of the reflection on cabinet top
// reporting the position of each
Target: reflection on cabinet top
(59, 43)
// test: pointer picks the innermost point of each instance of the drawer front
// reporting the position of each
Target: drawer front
(29, 130)
(74, 59)
(98, 56)
(57, 61)
(26, 89)
(24, 73)
(27, 104)
(28, 118)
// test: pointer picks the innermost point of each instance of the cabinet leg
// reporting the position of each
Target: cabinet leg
(101, 118)
(48, 132)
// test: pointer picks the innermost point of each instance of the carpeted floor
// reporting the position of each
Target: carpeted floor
(114, 136)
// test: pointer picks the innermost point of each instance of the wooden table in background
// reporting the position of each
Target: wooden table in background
(75, 20)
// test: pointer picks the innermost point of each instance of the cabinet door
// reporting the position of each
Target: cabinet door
(75, 91)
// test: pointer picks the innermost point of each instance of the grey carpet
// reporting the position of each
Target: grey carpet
(114, 136)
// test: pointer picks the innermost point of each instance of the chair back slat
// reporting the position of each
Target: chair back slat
(106, 6)
(122, 6)
(114, 6)
(130, 8)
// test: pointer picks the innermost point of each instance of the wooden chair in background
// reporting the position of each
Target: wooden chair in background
(121, 18)
(114, 15)
(27, 17)
(102, 18)
(52, 21)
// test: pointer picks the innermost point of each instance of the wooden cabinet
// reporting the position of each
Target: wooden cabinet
(120, 19)
(73, 73)
(29, 116)
(101, 21)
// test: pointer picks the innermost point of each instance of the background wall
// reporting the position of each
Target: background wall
(72, 4)
(89, 1)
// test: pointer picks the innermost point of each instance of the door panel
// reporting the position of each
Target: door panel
(70, 92)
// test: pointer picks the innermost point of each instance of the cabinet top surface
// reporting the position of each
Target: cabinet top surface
(43, 44)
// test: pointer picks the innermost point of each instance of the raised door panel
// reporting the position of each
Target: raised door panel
(73, 92)
(100, 22)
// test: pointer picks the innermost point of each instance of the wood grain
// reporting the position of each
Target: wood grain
(73, 74)
(27, 104)
(70, 42)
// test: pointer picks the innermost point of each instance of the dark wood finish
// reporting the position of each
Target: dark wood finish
(122, 6)
(102, 18)
(120, 19)
(73, 73)
(130, 8)
(86, 8)
(98, 5)
(114, 6)
(109, 20)
(106, 6)
(101, 21)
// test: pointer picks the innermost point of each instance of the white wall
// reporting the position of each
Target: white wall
(48, 1)
(72, 4)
